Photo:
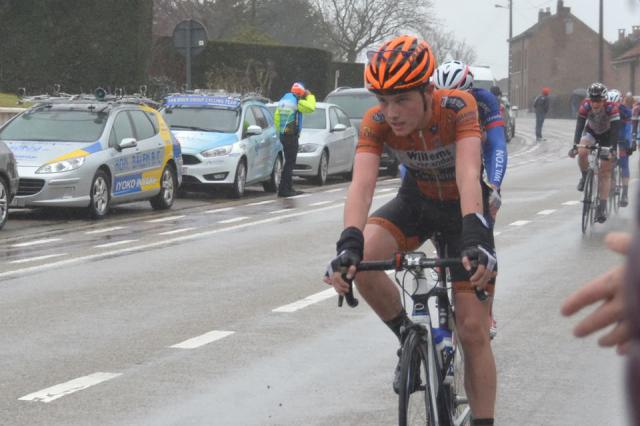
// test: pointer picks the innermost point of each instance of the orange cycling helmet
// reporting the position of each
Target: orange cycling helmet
(401, 64)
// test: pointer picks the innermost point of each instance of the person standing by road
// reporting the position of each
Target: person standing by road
(288, 123)
(541, 107)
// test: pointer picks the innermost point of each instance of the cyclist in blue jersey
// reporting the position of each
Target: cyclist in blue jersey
(624, 142)
(458, 75)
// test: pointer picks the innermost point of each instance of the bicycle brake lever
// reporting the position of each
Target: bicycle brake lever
(351, 300)
(482, 295)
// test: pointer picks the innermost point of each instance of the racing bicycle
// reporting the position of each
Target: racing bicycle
(590, 192)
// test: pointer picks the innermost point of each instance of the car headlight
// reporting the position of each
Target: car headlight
(308, 147)
(62, 166)
(216, 152)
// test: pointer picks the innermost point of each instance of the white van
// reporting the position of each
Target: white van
(483, 76)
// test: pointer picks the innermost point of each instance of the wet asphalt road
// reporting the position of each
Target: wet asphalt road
(191, 316)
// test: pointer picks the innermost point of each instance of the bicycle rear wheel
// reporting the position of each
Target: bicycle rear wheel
(586, 200)
(418, 380)
(618, 193)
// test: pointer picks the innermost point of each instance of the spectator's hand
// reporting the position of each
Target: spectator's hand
(609, 288)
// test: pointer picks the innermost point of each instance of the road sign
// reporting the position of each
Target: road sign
(189, 39)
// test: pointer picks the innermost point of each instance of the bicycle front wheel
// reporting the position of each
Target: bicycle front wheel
(586, 200)
(455, 392)
(418, 383)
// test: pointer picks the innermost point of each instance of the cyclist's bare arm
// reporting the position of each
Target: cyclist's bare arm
(360, 194)
(468, 169)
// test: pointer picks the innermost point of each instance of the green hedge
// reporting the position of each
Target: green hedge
(270, 69)
(79, 44)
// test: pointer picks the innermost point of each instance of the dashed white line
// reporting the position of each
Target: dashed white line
(58, 391)
(37, 242)
(281, 211)
(570, 203)
(519, 223)
(314, 298)
(224, 209)
(234, 219)
(176, 231)
(115, 243)
(546, 212)
(34, 259)
(102, 231)
(320, 203)
(202, 340)
(260, 203)
(165, 219)
(333, 190)
(385, 190)
(298, 196)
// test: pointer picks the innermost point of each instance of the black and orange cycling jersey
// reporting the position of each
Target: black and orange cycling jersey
(429, 153)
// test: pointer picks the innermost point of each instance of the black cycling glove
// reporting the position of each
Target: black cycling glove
(350, 249)
(476, 242)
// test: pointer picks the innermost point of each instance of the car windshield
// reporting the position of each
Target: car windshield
(202, 119)
(56, 126)
(354, 105)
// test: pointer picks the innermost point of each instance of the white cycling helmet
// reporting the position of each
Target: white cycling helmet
(453, 75)
(614, 95)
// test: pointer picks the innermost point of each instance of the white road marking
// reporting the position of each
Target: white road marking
(519, 223)
(310, 300)
(281, 211)
(259, 203)
(34, 259)
(333, 190)
(298, 196)
(385, 190)
(176, 231)
(184, 238)
(546, 212)
(234, 219)
(37, 242)
(571, 203)
(165, 219)
(320, 203)
(58, 391)
(115, 243)
(224, 209)
(202, 340)
(102, 231)
(495, 234)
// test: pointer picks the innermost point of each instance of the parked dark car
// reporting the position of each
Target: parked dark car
(8, 180)
(355, 102)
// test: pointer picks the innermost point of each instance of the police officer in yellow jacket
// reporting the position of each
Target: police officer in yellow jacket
(288, 122)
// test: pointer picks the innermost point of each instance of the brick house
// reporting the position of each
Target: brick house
(560, 52)
(628, 63)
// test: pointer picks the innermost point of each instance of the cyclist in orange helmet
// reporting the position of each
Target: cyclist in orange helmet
(436, 134)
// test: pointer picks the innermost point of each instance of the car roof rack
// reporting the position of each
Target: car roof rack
(100, 96)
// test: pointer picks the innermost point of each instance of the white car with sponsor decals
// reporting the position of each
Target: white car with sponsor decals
(83, 152)
(227, 141)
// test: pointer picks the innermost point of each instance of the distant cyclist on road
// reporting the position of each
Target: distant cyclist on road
(624, 142)
(436, 134)
(598, 122)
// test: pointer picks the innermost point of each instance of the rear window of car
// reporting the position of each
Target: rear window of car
(202, 119)
(355, 105)
(56, 125)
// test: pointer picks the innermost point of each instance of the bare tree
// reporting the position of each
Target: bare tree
(354, 25)
(446, 47)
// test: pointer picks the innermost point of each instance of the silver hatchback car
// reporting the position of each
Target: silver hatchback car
(93, 153)
(8, 181)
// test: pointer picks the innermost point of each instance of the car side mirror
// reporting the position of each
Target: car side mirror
(128, 143)
(339, 128)
(253, 130)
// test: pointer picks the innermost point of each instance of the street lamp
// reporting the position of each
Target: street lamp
(510, 7)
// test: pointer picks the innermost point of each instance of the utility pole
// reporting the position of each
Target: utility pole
(510, 38)
(601, 46)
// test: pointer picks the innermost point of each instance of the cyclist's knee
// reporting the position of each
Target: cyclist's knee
(473, 331)
(379, 243)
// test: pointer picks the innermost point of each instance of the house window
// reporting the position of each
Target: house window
(568, 26)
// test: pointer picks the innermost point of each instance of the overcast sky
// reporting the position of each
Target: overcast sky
(486, 27)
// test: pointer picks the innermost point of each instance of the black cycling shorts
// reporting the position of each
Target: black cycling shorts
(602, 139)
(412, 219)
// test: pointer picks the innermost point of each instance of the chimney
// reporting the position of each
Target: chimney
(562, 10)
(621, 34)
(543, 14)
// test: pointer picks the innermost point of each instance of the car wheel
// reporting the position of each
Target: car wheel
(100, 195)
(168, 189)
(237, 190)
(323, 169)
(4, 202)
(274, 180)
